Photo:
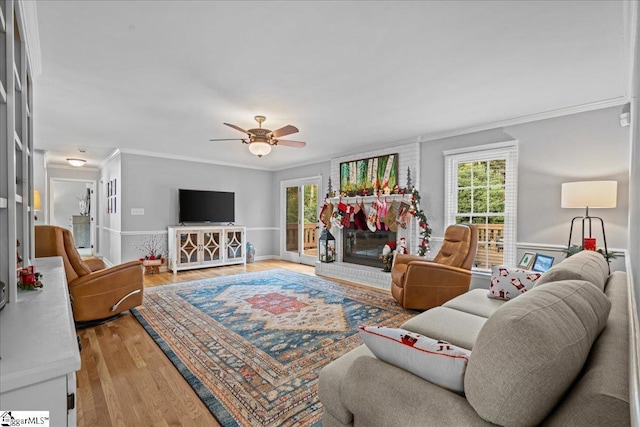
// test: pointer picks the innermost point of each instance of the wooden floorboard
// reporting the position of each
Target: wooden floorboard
(126, 380)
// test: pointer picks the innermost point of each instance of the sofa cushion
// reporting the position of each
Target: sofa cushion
(435, 361)
(446, 324)
(600, 396)
(530, 351)
(379, 394)
(475, 302)
(508, 282)
(585, 265)
(330, 381)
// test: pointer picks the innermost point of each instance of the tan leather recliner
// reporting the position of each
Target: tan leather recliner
(97, 292)
(420, 284)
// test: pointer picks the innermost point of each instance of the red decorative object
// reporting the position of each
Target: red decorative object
(28, 278)
(589, 244)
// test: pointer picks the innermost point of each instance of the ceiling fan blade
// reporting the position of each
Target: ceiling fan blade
(289, 143)
(287, 130)
(226, 139)
(237, 128)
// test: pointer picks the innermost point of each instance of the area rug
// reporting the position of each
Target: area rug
(251, 345)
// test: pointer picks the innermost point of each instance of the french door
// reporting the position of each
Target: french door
(299, 219)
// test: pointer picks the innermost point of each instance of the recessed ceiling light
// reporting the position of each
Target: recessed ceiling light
(76, 162)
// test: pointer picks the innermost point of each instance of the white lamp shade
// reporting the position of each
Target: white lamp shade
(589, 194)
(260, 148)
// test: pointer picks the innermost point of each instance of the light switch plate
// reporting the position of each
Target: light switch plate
(137, 211)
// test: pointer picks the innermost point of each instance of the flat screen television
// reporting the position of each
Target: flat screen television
(206, 206)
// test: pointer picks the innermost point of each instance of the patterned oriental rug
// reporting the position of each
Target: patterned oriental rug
(251, 345)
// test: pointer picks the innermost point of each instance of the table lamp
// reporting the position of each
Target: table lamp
(589, 194)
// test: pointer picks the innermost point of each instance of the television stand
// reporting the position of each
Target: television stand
(195, 246)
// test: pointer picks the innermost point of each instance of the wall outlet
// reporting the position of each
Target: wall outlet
(137, 211)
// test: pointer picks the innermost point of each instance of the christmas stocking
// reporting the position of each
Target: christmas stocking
(390, 217)
(325, 214)
(346, 221)
(338, 215)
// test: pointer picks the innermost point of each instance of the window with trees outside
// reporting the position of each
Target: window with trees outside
(481, 190)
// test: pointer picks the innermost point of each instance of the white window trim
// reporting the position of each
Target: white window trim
(507, 150)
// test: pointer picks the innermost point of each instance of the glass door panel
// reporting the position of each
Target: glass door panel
(299, 220)
(310, 221)
(188, 247)
(211, 246)
(293, 219)
(234, 244)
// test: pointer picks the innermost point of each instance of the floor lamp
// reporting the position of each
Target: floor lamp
(589, 194)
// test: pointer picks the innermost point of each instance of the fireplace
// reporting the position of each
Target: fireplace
(364, 247)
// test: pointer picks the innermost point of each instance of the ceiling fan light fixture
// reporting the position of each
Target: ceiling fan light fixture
(76, 162)
(259, 148)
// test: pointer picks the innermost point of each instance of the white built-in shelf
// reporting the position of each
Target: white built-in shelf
(18, 198)
(17, 139)
(3, 25)
(3, 203)
(28, 111)
(16, 74)
(3, 93)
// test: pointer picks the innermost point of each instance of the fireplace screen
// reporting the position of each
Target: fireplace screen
(365, 247)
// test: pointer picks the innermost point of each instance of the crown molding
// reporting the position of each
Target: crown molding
(111, 156)
(188, 159)
(598, 105)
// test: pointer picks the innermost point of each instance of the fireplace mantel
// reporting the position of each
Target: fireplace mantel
(408, 159)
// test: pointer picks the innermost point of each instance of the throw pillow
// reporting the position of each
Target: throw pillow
(507, 283)
(436, 361)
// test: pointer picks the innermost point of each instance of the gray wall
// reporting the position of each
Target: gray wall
(584, 146)
(152, 183)
(65, 201)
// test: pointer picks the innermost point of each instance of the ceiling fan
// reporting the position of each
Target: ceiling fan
(261, 139)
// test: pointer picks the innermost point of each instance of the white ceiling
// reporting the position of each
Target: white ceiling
(161, 77)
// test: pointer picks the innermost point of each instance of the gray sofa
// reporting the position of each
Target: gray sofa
(556, 355)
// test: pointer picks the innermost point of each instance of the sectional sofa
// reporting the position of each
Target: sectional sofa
(557, 354)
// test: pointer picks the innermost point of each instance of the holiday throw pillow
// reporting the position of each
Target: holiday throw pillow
(507, 283)
(436, 361)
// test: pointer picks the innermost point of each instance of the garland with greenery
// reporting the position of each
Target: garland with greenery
(574, 249)
(423, 222)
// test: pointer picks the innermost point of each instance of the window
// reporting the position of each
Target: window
(481, 189)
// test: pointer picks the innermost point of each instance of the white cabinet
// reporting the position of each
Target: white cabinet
(16, 141)
(206, 246)
(39, 349)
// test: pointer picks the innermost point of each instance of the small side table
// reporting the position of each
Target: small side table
(152, 266)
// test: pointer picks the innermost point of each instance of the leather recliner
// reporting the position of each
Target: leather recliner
(420, 284)
(97, 292)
